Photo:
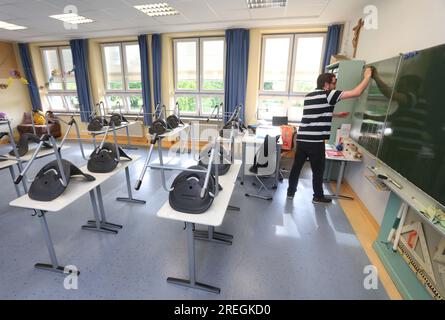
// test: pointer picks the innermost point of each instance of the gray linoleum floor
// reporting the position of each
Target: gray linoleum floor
(281, 250)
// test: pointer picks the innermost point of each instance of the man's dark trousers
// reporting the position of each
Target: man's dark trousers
(315, 151)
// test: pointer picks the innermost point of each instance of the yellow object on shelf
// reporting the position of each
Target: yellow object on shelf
(38, 118)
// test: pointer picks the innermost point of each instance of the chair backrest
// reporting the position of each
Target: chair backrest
(266, 158)
(279, 121)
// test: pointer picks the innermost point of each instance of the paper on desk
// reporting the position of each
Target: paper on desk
(334, 153)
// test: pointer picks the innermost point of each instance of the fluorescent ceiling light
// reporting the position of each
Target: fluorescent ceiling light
(72, 18)
(255, 4)
(157, 9)
(10, 26)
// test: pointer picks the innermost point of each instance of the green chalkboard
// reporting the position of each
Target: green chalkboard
(400, 118)
(414, 135)
(371, 108)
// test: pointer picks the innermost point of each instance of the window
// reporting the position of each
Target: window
(290, 66)
(122, 74)
(60, 81)
(199, 74)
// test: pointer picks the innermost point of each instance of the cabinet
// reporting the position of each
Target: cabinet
(349, 74)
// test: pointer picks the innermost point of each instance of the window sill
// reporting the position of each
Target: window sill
(290, 123)
(200, 118)
(76, 113)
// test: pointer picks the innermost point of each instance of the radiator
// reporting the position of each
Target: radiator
(135, 130)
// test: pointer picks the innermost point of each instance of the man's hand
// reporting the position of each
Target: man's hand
(357, 91)
(343, 114)
(368, 73)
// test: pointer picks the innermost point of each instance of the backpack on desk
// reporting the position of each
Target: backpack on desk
(287, 134)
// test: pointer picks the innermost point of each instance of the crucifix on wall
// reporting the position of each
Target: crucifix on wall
(356, 30)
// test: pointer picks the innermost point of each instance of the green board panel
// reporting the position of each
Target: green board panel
(414, 139)
(400, 118)
(371, 108)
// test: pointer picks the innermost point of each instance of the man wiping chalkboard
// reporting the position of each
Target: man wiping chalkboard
(315, 127)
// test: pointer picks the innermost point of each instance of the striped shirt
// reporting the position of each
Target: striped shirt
(317, 115)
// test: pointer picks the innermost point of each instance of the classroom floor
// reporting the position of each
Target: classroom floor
(281, 249)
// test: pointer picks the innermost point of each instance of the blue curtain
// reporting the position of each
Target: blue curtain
(33, 89)
(332, 43)
(237, 56)
(79, 51)
(156, 54)
(145, 75)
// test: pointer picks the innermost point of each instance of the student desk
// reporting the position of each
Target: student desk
(13, 161)
(169, 134)
(212, 218)
(332, 154)
(75, 190)
(107, 129)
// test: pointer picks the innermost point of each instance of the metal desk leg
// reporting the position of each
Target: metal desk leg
(130, 195)
(191, 283)
(97, 222)
(278, 160)
(328, 176)
(11, 171)
(161, 162)
(103, 219)
(54, 266)
(337, 194)
(213, 236)
(243, 163)
(128, 146)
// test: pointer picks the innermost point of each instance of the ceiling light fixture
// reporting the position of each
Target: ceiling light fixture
(72, 18)
(157, 9)
(11, 26)
(256, 4)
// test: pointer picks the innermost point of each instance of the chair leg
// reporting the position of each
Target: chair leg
(262, 185)
(257, 195)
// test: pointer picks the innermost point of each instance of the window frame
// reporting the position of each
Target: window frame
(56, 94)
(125, 66)
(201, 64)
(61, 65)
(175, 65)
(64, 93)
(125, 96)
(297, 36)
(187, 95)
(126, 92)
(290, 77)
(199, 92)
(263, 58)
(104, 66)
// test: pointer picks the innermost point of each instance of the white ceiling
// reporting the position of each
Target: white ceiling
(119, 18)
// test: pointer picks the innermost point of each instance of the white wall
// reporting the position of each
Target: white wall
(14, 100)
(403, 26)
(374, 200)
